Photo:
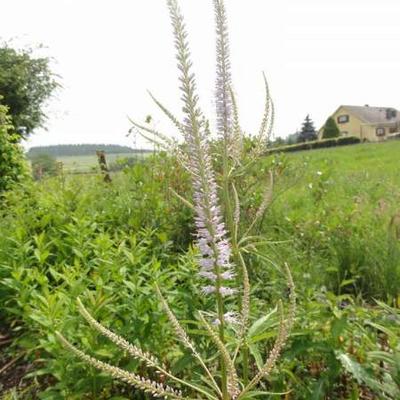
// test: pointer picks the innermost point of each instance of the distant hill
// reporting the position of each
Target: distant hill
(63, 150)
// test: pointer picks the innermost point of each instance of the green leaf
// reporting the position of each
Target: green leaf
(255, 352)
(364, 376)
(261, 325)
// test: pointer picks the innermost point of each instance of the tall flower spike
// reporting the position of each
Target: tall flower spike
(236, 142)
(184, 338)
(224, 77)
(265, 202)
(168, 113)
(162, 140)
(267, 123)
(212, 240)
(155, 388)
(134, 351)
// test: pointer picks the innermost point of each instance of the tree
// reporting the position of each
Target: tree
(293, 138)
(278, 142)
(26, 84)
(13, 167)
(331, 130)
(43, 165)
(308, 131)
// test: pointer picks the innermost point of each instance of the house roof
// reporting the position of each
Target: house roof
(374, 115)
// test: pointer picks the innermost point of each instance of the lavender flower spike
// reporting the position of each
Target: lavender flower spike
(215, 251)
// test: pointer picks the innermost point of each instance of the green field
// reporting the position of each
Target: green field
(368, 172)
(89, 163)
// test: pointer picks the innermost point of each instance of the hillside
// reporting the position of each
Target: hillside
(359, 177)
(65, 150)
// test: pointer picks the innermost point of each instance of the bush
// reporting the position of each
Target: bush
(13, 167)
(43, 165)
(317, 144)
(80, 237)
(331, 130)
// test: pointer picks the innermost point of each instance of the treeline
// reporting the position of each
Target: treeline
(81, 150)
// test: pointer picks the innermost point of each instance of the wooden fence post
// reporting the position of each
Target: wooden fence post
(101, 157)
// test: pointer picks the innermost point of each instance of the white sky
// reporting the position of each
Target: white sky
(317, 54)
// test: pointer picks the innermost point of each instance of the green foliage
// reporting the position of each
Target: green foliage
(331, 218)
(318, 144)
(331, 130)
(13, 167)
(60, 240)
(26, 83)
(43, 165)
(339, 216)
(308, 132)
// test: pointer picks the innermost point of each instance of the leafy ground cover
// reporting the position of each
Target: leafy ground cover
(333, 218)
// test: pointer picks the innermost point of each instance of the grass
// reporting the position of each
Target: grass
(336, 206)
(374, 158)
(89, 163)
(344, 176)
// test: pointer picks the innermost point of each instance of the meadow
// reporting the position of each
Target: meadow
(333, 217)
(89, 163)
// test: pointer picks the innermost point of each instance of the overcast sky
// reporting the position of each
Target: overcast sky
(317, 54)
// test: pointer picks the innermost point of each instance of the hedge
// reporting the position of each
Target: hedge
(317, 144)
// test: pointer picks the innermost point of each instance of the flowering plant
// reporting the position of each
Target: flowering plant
(222, 241)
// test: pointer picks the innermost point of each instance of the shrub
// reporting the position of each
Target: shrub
(330, 129)
(13, 167)
(318, 144)
(43, 165)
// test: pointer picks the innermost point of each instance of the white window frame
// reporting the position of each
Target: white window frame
(343, 119)
(380, 131)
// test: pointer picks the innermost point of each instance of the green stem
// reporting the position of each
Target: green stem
(224, 382)
(226, 193)
(245, 351)
(230, 223)
(235, 247)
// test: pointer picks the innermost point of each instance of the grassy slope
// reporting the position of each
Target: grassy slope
(374, 159)
(336, 205)
(369, 172)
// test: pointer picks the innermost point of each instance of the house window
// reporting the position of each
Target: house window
(344, 133)
(342, 119)
(393, 129)
(380, 131)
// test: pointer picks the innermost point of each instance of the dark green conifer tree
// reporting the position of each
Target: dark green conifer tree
(331, 130)
(308, 131)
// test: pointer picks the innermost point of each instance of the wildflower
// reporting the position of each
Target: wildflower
(230, 318)
(225, 291)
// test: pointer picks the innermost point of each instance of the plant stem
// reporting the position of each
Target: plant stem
(224, 382)
(230, 224)
(245, 352)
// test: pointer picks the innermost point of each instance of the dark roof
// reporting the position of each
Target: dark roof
(374, 115)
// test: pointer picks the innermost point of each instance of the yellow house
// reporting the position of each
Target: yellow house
(371, 124)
